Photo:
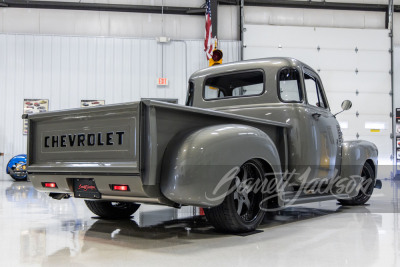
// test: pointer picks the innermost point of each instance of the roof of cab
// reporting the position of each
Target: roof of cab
(250, 64)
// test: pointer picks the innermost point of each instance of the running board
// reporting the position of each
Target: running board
(310, 198)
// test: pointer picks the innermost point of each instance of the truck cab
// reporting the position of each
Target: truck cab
(278, 89)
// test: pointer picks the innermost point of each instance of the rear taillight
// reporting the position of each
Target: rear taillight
(120, 187)
(49, 185)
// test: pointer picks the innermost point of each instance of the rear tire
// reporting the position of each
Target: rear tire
(363, 195)
(111, 209)
(240, 211)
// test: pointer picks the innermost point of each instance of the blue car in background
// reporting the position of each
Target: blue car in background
(16, 167)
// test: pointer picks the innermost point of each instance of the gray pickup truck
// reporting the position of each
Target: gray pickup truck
(254, 136)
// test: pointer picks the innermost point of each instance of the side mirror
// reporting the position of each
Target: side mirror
(346, 105)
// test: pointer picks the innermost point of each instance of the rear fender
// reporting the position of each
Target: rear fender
(199, 166)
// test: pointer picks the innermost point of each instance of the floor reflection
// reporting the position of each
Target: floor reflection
(180, 234)
(23, 192)
(51, 232)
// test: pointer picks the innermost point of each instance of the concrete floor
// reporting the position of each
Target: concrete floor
(38, 231)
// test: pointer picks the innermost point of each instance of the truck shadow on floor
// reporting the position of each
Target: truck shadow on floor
(146, 227)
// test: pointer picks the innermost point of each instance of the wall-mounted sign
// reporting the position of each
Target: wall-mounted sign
(92, 103)
(32, 106)
(397, 142)
(162, 81)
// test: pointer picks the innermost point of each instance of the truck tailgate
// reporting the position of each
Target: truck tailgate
(91, 140)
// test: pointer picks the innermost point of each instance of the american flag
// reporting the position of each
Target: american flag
(209, 43)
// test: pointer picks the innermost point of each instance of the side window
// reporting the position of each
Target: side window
(289, 85)
(314, 94)
(234, 85)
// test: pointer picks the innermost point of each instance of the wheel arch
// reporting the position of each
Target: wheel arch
(275, 200)
(198, 165)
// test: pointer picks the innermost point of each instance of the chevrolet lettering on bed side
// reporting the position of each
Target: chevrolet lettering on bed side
(87, 139)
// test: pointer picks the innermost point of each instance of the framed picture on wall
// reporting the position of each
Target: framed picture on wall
(32, 106)
(92, 103)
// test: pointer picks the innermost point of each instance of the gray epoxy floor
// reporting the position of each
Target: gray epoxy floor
(38, 231)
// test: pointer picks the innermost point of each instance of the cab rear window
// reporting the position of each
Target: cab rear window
(233, 85)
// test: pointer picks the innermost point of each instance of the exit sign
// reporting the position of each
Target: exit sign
(162, 81)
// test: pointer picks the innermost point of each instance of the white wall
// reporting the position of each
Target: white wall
(95, 23)
(119, 24)
(67, 69)
(314, 17)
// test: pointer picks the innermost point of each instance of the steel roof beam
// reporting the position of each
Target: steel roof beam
(313, 5)
(103, 7)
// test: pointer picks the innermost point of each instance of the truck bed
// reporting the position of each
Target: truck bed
(122, 143)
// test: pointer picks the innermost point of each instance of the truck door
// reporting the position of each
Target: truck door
(325, 129)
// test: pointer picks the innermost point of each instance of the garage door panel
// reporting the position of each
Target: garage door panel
(311, 37)
(362, 102)
(273, 36)
(363, 82)
(378, 61)
(328, 38)
(352, 38)
(372, 39)
(332, 60)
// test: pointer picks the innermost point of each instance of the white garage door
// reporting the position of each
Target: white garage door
(353, 64)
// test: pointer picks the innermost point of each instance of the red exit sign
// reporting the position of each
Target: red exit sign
(162, 81)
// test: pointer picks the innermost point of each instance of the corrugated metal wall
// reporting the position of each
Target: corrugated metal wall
(67, 69)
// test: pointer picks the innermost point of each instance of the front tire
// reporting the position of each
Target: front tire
(18, 177)
(240, 211)
(111, 209)
(366, 190)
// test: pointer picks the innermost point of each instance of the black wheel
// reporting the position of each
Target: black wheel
(367, 188)
(18, 176)
(240, 211)
(112, 210)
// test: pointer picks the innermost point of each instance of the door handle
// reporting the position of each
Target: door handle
(316, 115)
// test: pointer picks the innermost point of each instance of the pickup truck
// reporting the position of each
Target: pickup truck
(254, 136)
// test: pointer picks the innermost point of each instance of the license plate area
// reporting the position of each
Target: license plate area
(86, 188)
